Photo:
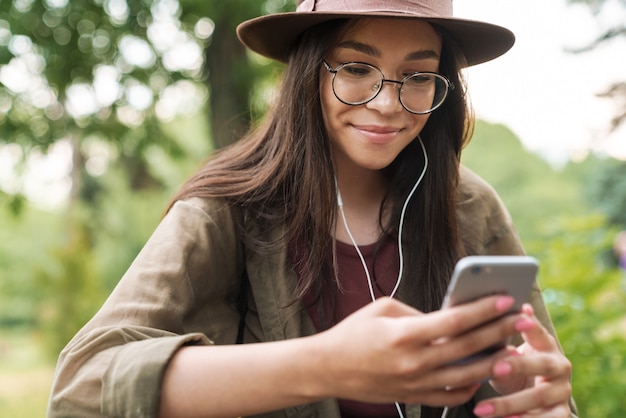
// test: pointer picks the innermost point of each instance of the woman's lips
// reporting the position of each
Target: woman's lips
(377, 134)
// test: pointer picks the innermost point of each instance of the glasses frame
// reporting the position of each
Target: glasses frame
(449, 85)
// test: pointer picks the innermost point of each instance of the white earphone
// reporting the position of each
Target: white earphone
(401, 256)
(400, 227)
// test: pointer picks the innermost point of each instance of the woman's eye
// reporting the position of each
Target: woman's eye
(357, 70)
(419, 79)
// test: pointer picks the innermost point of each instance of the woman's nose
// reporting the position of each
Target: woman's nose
(388, 98)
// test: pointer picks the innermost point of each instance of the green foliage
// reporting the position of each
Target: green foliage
(14, 202)
(65, 51)
(608, 191)
(99, 78)
(124, 220)
(585, 297)
(583, 288)
(26, 242)
(532, 190)
(56, 268)
(101, 74)
(25, 374)
(75, 282)
(102, 241)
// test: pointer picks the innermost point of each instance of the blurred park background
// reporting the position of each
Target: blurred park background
(106, 106)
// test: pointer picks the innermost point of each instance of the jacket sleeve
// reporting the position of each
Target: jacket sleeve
(180, 290)
(487, 229)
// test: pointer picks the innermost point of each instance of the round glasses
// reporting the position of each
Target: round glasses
(356, 83)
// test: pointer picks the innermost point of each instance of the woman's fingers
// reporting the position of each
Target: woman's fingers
(399, 353)
(536, 401)
(454, 376)
(542, 366)
(545, 365)
(459, 319)
(537, 336)
(452, 334)
(541, 354)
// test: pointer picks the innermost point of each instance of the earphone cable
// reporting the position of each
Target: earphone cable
(400, 255)
(401, 225)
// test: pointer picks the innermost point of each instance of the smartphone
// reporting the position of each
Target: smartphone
(479, 276)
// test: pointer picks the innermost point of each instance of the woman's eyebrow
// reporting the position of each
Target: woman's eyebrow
(360, 47)
(422, 54)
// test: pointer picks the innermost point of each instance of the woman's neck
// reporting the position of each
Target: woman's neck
(362, 194)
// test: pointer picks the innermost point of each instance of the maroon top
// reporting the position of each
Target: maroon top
(355, 295)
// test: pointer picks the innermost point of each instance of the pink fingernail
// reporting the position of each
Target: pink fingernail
(528, 308)
(484, 410)
(524, 325)
(502, 369)
(503, 303)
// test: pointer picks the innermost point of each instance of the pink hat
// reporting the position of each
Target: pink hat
(274, 35)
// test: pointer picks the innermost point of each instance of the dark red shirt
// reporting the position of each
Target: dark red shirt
(383, 266)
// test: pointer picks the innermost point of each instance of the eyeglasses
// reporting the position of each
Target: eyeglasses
(356, 83)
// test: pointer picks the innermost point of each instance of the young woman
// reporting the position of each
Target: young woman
(323, 243)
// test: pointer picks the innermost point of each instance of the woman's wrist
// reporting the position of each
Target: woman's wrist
(314, 367)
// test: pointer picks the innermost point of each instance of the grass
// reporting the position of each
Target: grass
(25, 375)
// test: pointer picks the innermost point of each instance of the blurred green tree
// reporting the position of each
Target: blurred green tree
(608, 190)
(105, 78)
(109, 71)
(232, 75)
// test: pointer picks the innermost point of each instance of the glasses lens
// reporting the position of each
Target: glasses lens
(356, 83)
(422, 93)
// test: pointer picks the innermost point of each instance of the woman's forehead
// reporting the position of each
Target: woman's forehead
(375, 35)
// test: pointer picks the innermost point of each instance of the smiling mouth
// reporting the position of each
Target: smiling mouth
(378, 134)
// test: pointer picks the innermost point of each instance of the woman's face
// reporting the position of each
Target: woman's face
(370, 136)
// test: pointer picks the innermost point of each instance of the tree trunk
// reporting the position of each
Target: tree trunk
(229, 85)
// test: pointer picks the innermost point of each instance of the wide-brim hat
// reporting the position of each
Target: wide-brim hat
(274, 35)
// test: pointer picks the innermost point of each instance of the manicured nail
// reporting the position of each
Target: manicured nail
(484, 410)
(528, 309)
(524, 324)
(502, 369)
(503, 303)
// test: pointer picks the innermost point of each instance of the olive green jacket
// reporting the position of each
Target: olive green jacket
(182, 289)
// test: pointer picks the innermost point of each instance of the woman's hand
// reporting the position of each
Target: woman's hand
(534, 378)
(388, 351)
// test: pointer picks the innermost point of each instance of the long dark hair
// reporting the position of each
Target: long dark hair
(431, 238)
(282, 172)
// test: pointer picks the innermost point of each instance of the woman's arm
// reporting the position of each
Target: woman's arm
(181, 288)
(385, 352)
